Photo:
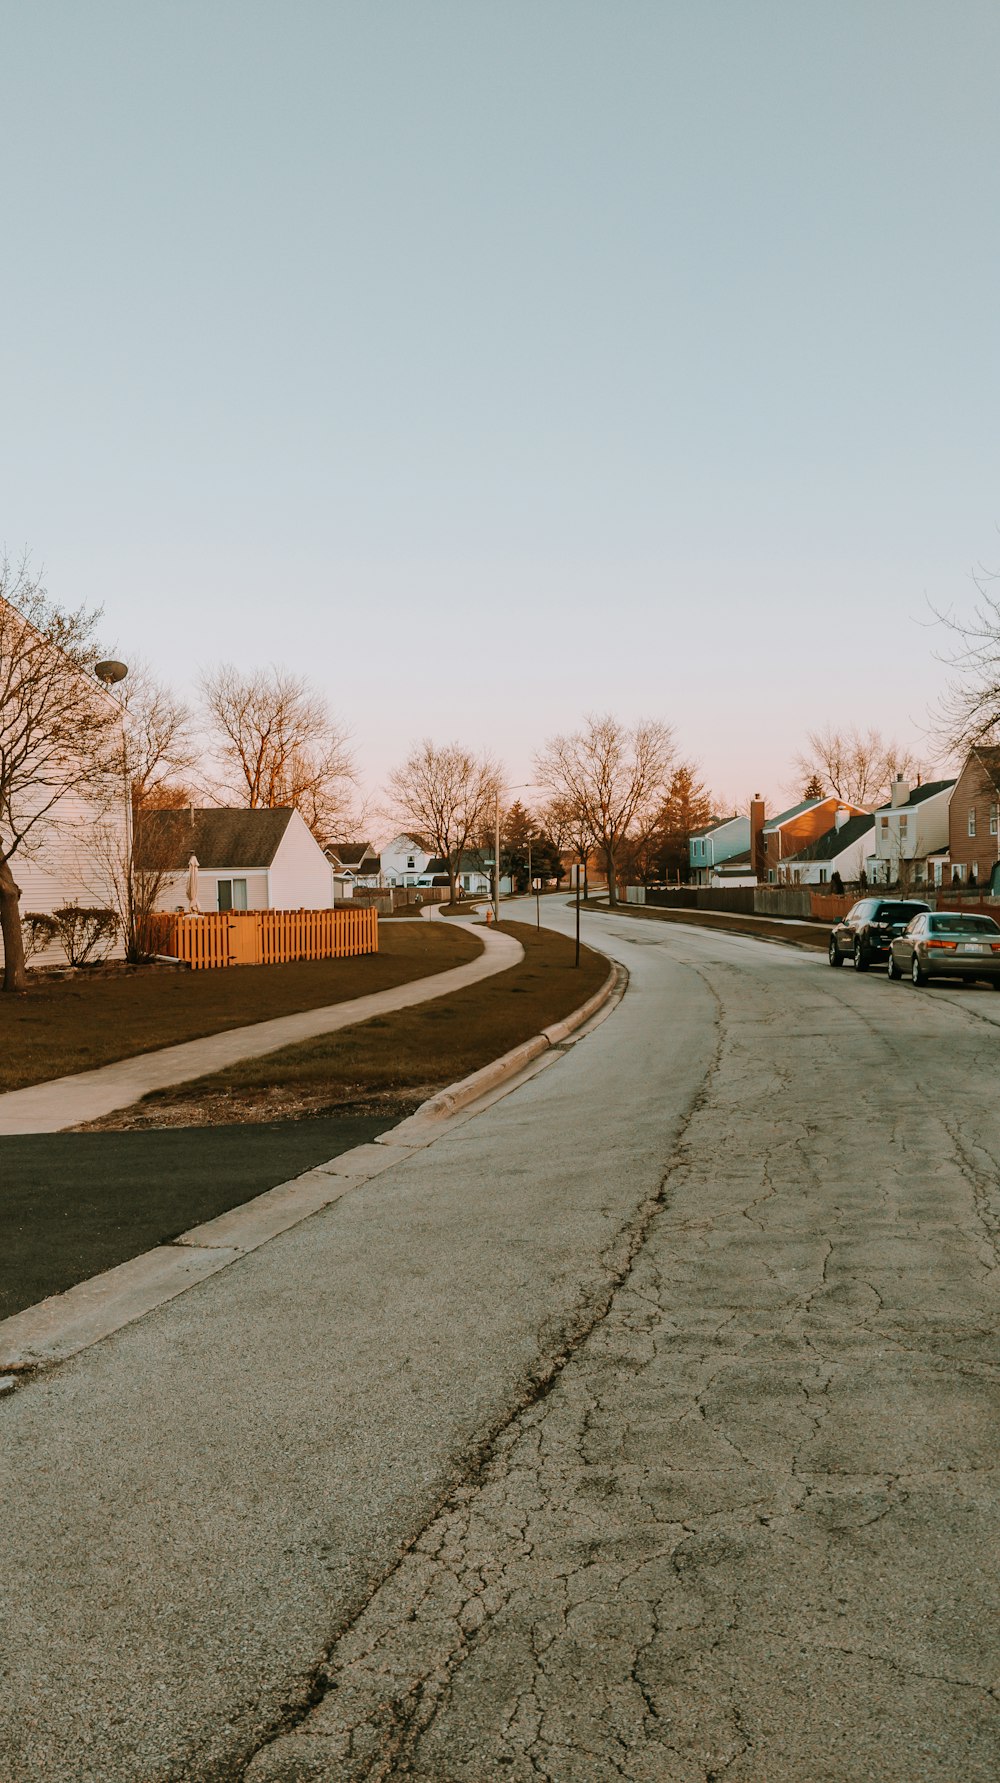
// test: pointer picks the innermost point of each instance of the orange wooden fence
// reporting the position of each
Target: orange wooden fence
(264, 937)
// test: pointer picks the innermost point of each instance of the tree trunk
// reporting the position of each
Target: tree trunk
(15, 977)
(452, 884)
(609, 862)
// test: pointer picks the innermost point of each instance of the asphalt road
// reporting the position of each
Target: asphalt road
(643, 1426)
(74, 1204)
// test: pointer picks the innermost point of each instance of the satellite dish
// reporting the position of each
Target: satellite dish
(110, 672)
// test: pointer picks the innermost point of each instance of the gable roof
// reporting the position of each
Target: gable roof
(917, 795)
(774, 823)
(833, 842)
(714, 823)
(219, 838)
(350, 854)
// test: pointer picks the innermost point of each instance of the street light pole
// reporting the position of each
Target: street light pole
(496, 862)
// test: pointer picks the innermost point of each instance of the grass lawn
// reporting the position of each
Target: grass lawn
(73, 1024)
(387, 1065)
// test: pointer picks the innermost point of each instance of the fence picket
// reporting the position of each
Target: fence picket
(263, 937)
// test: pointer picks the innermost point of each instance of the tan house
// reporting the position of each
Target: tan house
(974, 818)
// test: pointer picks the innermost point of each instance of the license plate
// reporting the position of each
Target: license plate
(973, 947)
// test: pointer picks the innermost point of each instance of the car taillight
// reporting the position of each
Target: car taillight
(949, 946)
(995, 946)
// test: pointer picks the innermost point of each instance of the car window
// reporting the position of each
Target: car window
(949, 923)
(917, 926)
(898, 912)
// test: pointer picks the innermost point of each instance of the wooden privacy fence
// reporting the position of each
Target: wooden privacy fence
(264, 937)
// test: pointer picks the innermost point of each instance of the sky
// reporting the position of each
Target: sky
(492, 364)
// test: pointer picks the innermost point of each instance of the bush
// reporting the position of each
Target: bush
(39, 931)
(79, 929)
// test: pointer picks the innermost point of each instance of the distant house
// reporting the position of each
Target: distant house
(787, 834)
(471, 876)
(974, 818)
(717, 842)
(246, 860)
(909, 831)
(353, 864)
(404, 860)
(842, 850)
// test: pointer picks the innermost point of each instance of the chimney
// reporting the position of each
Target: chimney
(758, 853)
(900, 791)
(842, 816)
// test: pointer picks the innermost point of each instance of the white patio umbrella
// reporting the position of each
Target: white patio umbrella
(192, 886)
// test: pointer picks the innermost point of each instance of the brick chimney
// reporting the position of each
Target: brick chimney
(758, 853)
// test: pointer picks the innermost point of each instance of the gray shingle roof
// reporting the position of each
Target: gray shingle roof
(918, 794)
(833, 842)
(226, 838)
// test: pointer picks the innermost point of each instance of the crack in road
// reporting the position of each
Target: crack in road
(754, 1481)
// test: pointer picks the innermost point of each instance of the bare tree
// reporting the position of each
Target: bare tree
(279, 745)
(156, 747)
(613, 776)
(968, 715)
(448, 795)
(567, 825)
(58, 731)
(858, 766)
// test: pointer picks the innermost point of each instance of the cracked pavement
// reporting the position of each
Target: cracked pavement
(751, 1531)
(644, 1426)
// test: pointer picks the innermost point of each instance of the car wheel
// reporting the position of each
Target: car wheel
(835, 956)
(917, 972)
(861, 961)
(892, 971)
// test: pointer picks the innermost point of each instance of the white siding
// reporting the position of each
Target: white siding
(65, 866)
(301, 877)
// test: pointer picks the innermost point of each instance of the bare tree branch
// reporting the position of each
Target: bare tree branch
(279, 745)
(448, 795)
(58, 729)
(856, 765)
(612, 778)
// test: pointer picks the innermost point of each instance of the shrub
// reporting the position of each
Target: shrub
(39, 931)
(82, 929)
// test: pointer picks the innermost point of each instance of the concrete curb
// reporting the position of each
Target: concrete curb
(461, 1095)
(55, 1329)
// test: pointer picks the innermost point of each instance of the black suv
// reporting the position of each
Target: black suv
(865, 933)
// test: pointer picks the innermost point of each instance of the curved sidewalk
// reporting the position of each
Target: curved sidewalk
(64, 1102)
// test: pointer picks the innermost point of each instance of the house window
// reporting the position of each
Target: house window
(410, 863)
(974, 870)
(232, 894)
(823, 876)
(903, 825)
(885, 825)
(994, 815)
(972, 820)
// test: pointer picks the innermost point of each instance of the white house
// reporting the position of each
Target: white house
(405, 861)
(909, 829)
(243, 860)
(77, 851)
(842, 849)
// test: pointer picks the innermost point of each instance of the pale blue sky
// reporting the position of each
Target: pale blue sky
(490, 362)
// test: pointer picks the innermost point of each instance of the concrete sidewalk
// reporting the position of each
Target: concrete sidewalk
(64, 1102)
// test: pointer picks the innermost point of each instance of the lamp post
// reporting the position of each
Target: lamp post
(109, 674)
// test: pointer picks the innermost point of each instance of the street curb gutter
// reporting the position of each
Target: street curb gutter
(511, 1064)
(60, 1327)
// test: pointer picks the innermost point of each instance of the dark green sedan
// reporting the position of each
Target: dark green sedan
(947, 944)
